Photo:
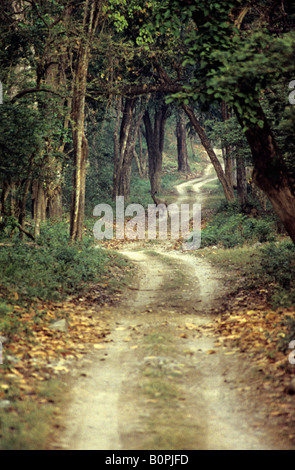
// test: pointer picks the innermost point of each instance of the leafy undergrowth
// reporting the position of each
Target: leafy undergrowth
(54, 301)
(229, 225)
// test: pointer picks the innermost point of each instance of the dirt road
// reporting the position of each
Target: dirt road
(160, 383)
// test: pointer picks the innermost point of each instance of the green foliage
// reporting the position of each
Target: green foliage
(227, 63)
(20, 139)
(139, 193)
(99, 176)
(277, 264)
(229, 134)
(4, 309)
(51, 269)
(230, 228)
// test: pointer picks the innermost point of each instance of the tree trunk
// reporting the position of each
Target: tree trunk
(125, 176)
(141, 159)
(78, 195)
(4, 196)
(80, 144)
(182, 154)
(13, 199)
(125, 147)
(122, 143)
(22, 209)
(228, 162)
(117, 161)
(228, 190)
(155, 143)
(39, 206)
(270, 172)
(55, 203)
(241, 181)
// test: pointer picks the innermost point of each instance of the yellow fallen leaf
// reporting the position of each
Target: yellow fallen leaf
(60, 369)
(4, 386)
(99, 346)
(191, 326)
(16, 372)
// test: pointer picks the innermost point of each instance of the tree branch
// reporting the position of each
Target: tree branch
(34, 90)
(18, 225)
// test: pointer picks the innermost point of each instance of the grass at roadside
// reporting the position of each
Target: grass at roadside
(26, 423)
(269, 266)
(257, 318)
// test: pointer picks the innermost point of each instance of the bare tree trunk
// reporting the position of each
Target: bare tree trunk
(241, 180)
(228, 161)
(39, 206)
(55, 203)
(12, 199)
(90, 22)
(122, 148)
(141, 158)
(125, 176)
(56, 77)
(182, 154)
(227, 188)
(141, 161)
(155, 142)
(4, 196)
(125, 146)
(78, 117)
(22, 211)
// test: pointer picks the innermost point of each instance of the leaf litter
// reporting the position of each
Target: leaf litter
(247, 325)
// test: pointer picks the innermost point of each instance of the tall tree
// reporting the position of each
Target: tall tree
(124, 144)
(227, 187)
(227, 154)
(233, 47)
(154, 134)
(92, 14)
(182, 154)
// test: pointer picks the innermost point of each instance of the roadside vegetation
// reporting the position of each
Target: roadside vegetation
(252, 240)
(256, 315)
(52, 298)
(114, 98)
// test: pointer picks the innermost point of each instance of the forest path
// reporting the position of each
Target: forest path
(159, 383)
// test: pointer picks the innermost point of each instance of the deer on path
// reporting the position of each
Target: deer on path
(160, 202)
